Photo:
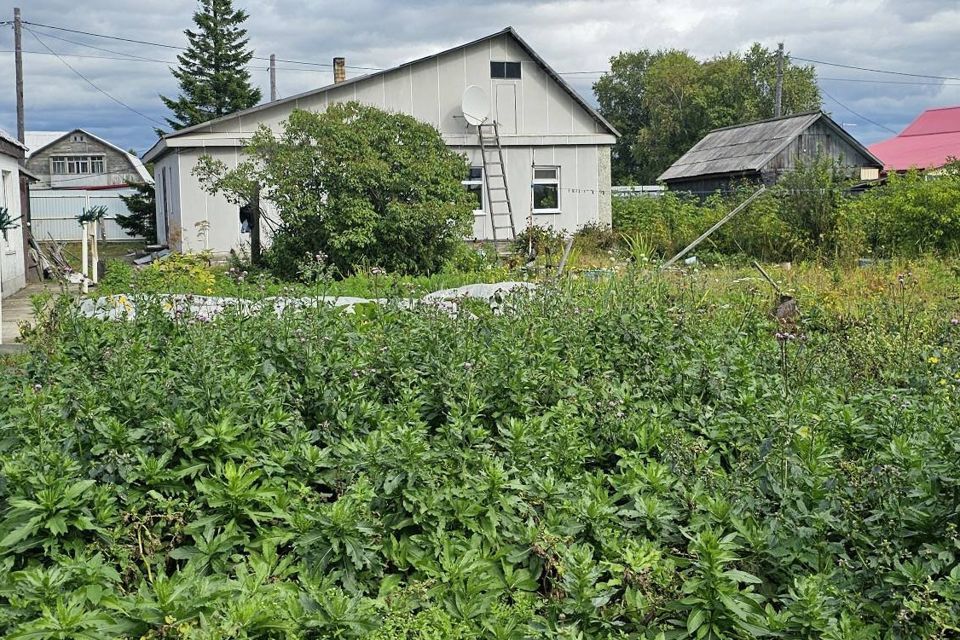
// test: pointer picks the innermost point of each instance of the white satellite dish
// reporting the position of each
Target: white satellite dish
(475, 105)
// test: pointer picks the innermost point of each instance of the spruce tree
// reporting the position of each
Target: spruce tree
(213, 77)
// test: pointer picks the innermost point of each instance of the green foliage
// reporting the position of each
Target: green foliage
(7, 222)
(142, 205)
(536, 241)
(177, 273)
(92, 214)
(914, 213)
(663, 102)
(359, 185)
(194, 274)
(812, 200)
(212, 73)
(637, 458)
(808, 214)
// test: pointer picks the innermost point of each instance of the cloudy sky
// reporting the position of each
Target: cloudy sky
(916, 37)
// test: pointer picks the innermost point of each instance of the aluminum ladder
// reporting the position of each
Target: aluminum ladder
(495, 183)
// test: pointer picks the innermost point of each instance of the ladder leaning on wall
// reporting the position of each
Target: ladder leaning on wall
(499, 207)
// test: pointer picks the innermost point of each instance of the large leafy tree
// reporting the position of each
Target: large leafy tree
(664, 101)
(212, 71)
(362, 186)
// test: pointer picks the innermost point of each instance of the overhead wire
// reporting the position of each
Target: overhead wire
(862, 117)
(181, 48)
(896, 73)
(111, 51)
(94, 85)
(326, 66)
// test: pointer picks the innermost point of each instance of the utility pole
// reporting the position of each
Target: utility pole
(778, 101)
(273, 77)
(18, 62)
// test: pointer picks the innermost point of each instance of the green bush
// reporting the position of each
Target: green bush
(912, 214)
(644, 458)
(805, 215)
(359, 185)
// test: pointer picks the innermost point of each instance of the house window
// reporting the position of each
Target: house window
(78, 137)
(77, 164)
(546, 189)
(474, 185)
(506, 70)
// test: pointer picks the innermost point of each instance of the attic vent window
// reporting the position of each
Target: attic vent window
(77, 137)
(507, 70)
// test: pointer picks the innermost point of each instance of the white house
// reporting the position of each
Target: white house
(12, 256)
(556, 147)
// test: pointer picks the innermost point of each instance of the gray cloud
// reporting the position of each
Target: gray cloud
(572, 35)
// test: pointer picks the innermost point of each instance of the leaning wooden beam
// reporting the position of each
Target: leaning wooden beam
(706, 234)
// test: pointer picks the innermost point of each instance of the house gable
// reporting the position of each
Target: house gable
(119, 166)
(540, 103)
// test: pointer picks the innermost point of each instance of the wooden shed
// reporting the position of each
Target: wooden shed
(761, 151)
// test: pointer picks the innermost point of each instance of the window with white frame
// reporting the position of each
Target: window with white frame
(546, 189)
(474, 186)
(76, 164)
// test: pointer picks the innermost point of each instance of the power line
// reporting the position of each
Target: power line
(910, 82)
(862, 117)
(117, 53)
(896, 73)
(179, 48)
(91, 83)
(91, 57)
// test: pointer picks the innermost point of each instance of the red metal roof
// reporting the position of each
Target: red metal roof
(928, 142)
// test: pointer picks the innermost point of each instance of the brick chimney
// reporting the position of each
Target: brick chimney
(339, 69)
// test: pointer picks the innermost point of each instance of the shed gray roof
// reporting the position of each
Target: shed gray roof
(11, 139)
(747, 148)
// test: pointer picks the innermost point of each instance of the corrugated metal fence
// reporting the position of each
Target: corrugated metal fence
(53, 214)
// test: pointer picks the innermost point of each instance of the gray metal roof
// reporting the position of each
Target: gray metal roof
(154, 152)
(747, 148)
(11, 139)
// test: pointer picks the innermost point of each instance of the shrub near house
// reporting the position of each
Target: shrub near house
(358, 185)
(810, 214)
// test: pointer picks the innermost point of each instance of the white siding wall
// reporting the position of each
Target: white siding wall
(547, 126)
(11, 249)
(581, 185)
(209, 222)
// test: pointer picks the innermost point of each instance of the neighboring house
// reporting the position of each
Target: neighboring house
(556, 147)
(760, 152)
(928, 143)
(12, 253)
(77, 170)
(80, 160)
